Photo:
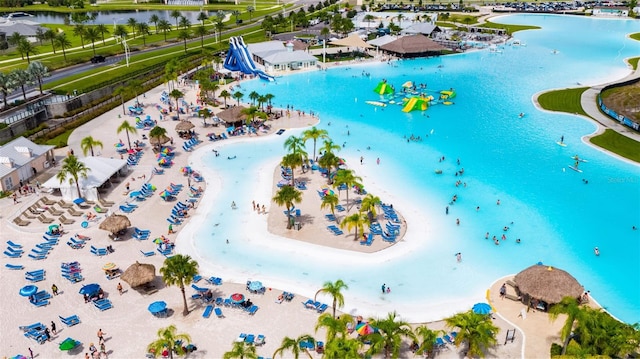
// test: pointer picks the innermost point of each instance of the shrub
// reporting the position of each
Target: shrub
(556, 349)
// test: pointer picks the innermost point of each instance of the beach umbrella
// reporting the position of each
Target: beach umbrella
(365, 328)
(162, 161)
(115, 223)
(19, 356)
(481, 308)
(118, 145)
(237, 297)
(109, 266)
(166, 150)
(138, 274)
(328, 191)
(255, 285)
(184, 126)
(186, 169)
(28, 290)
(165, 193)
(407, 84)
(157, 307)
(68, 344)
(158, 240)
(131, 151)
(79, 201)
(90, 289)
(53, 226)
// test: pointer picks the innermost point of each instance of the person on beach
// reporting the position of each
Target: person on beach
(503, 290)
(264, 210)
(384, 286)
(54, 289)
(170, 231)
(100, 336)
(459, 257)
(119, 288)
(53, 327)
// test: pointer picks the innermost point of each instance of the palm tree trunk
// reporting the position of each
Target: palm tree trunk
(77, 187)
(185, 311)
(128, 140)
(91, 151)
(24, 94)
(40, 85)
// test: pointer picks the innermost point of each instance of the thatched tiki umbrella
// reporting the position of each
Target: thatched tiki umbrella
(547, 284)
(184, 126)
(139, 274)
(115, 223)
(156, 141)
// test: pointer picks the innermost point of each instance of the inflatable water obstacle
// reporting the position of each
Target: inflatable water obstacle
(384, 89)
(417, 103)
(410, 99)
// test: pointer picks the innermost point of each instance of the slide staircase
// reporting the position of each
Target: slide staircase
(239, 59)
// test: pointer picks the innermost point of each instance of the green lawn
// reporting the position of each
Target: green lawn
(567, 100)
(635, 36)
(634, 62)
(510, 28)
(619, 144)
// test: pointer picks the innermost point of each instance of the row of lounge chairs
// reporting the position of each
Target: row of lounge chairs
(214, 137)
(134, 158)
(141, 234)
(70, 321)
(441, 342)
(317, 306)
(209, 309)
(37, 275)
(71, 272)
(42, 249)
(188, 145)
(76, 243)
(103, 304)
(145, 192)
(35, 331)
(335, 230)
(251, 339)
(13, 250)
(128, 207)
(99, 251)
(40, 299)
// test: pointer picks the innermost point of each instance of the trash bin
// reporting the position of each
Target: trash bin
(297, 225)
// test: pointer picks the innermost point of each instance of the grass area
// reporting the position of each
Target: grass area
(61, 140)
(130, 5)
(567, 100)
(509, 28)
(619, 144)
(635, 36)
(634, 62)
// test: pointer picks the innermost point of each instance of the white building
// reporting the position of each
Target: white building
(405, 20)
(612, 11)
(21, 160)
(275, 56)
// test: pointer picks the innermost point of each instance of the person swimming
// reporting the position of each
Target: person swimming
(596, 251)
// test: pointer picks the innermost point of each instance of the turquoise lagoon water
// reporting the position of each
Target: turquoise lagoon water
(558, 217)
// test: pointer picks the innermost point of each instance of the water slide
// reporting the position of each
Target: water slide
(415, 103)
(239, 59)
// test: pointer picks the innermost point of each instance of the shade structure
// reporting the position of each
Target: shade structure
(184, 126)
(481, 308)
(255, 285)
(157, 307)
(109, 266)
(68, 344)
(365, 328)
(237, 298)
(90, 289)
(159, 140)
(412, 46)
(28, 290)
(118, 145)
(115, 223)
(53, 226)
(233, 115)
(139, 274)
(547, 283)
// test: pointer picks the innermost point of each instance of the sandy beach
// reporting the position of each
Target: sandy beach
(129, 327)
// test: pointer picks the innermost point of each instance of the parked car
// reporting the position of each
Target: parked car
(98, 58)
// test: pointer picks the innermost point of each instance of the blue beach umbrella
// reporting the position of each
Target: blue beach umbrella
(79, 201)
(28, 290)
(157, 307)
(481, 308)
(90, 289)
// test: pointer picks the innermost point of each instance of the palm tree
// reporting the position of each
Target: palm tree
(238, 96)
(51, 36)
(202, 32)
(331, 201)
(314, 134)
(177, 94)
(72, 169)
(328, 146)
(241, 350)
(176, 15)
(251, 113)
(171, 341)
(293, 345)
(329, 161)
(368, 205)
(143, 29)
(123, 92)
(287, 196)
(368, 18)
(219, 27)
(269, 97)
(427, 339)
(335, 327)
(339, 348)
(25, 47)
(475, 329)
(389, 335)
(78, 30)
(158, 132)
(154, 19)
(185, 23)
(126, 126)
(63, 42)
(21, 78)
(87, 144)
(92, 34)
(38, 71)
(334, 289)
(250, 10)
(570, 307)
(184, 35)
(133, 23)
(400, 17)
(357, 221)
(6, 86)
(225, 95)
(102, 29)
(15, 39)
(120, 31)
(164, 26)
(348, 178)
(253, 96)
(135, 87)
(179, 271)
(202, 17)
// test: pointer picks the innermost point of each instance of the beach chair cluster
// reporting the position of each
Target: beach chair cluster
(157, 171)
(103, 304)
(301, 185)
(214, 137)
(251, 339)
(99, 252)
(135, 110)
(146, 123)
(368, 241)
(441, 342)
(330, 217)
(141, 234)
(317, 306)
(13, 250)
(40, 299)
(389, 213)
(285, 296)
(37, 275)
(128, 207)
(134, 158)
(391, 233)
(177, 213)
(42, 249)
(194, 192)
(308, 345)
(143, 193)
(214, 280)
(70, 321)
(72, 272)
(190, 144)
(335, 230)
(171, 193)
(35, 331)
(76, 243)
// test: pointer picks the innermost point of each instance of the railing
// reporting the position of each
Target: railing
(613, 114)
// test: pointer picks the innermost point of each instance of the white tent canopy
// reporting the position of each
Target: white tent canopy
(101, 169)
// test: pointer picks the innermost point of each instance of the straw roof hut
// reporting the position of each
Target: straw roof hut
(413, 46)
(139, 274)
(547, 283)
(233, 115)
(115, 223)
(155, 141)
(184, 126)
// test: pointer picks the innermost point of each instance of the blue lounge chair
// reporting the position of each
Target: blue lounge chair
(196, 296)
(14, 266)
(148, 254)
(13, 254)
(196, 278)
(218, 312)
(14, 245)
(339, 208)
(207, 311)
(309, 304)
(259, 339)
(103, 304)
(37, 256)
(199, 289)
(253, 309)
(249, 339)
(322, 308)
(448, 339)
(70, 321)
(330, 217)
(440, 343)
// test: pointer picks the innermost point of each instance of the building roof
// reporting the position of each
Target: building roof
(267, 46)
(285, 57)
(379, 41)
(414, 44)
(19, 151)
(9, 27)
(420, 28)
(352, 40)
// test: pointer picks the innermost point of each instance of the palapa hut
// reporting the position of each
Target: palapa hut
(543, 285)
(184, 126)
(233, 116)
(413, 46)
(139, 274)
(157, 141)
(115, 223)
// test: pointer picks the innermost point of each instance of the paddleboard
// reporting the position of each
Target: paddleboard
(575, 169)
(579, 159)
(376, 103)
(561, 144)
(448, 103)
